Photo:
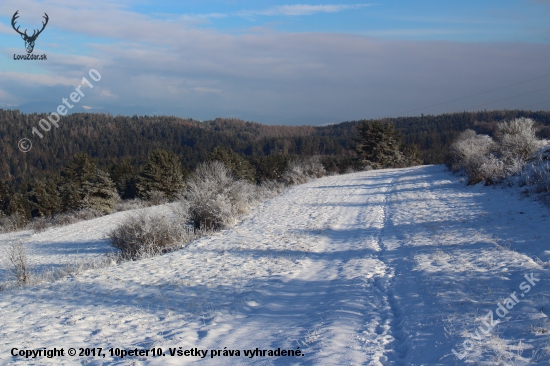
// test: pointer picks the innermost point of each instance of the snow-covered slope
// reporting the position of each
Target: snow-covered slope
(386, 267)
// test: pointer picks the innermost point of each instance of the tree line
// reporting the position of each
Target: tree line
(116, 155)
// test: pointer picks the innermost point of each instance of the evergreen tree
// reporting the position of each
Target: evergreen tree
(4, 199)
(238, 165)
(44, 198)
(412, 155)
(82, 168)
(19, 206)
(124, 176)
(162, 173)
(99, 193)
(379, 145)
(271, 167)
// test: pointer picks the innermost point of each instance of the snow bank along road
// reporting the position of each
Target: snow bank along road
(395, 267)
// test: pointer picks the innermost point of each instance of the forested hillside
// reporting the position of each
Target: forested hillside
(110, 138)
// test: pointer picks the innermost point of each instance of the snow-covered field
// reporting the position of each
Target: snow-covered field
(375, 268)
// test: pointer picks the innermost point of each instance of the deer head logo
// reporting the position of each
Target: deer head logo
(29, 40)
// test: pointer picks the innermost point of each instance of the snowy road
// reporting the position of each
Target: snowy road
(393, 267)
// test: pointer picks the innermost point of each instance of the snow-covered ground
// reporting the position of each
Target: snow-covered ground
(375, 268)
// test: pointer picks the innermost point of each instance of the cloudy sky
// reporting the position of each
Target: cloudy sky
(278, 62)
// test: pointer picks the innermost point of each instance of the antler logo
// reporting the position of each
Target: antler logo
(29, 40)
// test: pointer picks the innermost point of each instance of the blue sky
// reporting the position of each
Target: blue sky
(279, 62)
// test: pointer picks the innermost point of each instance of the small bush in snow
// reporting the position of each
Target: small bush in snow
(12, 223)
(69, 218)
(536, 173)
(127, 205)
(271, 188)
(516, 139)
(157, 198)
(88, 214)
(215, 197)
(63, 219)
(470, 152)
(39, 224)
(302, 171)
(516, 155)
(148, 234)
(16, 256)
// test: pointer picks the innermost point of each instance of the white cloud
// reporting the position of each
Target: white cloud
(304, 9)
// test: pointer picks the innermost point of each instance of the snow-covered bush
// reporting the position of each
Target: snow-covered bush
(16, 257)
(516, 139)
(127, 205)
(148, 234)
(63, 219)
(516, 155)
(216, 198)
(39, 224)
(271, 188)
(12, 223)
(301, 171)
(470, 152)
(157, 198)
(535, 176)
(68, 218)
(88, 214)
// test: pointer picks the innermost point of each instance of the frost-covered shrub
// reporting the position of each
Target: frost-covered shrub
(295, 174)
(302, 171)
(208, 195)
(271, 188)
(516, 139)
(516, 155)
(145, 235)
(127, 205)
(72, 217)
(536, 173)
(39, 224)
(157, 198)
(490, 169)
(13, 222)
(470, 152)
(216, 198)
(16, 257)
(213, 196)
(67, 218)
(88, 214)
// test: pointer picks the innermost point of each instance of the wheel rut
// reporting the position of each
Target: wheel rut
(391, 324)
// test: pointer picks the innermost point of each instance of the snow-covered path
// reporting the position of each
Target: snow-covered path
(375, 268)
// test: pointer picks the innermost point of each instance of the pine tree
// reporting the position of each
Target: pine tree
(99, 193)
(379, 145)
(238, 165)
(124, 176)
(271, 167)
(162, 173)
(20, 207)
(44, 198)
(82, 168)
(4, 199)
(412, 155)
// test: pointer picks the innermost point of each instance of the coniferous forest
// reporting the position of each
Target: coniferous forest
(91, 157)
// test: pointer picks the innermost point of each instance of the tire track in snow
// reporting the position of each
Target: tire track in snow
(391, 324)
